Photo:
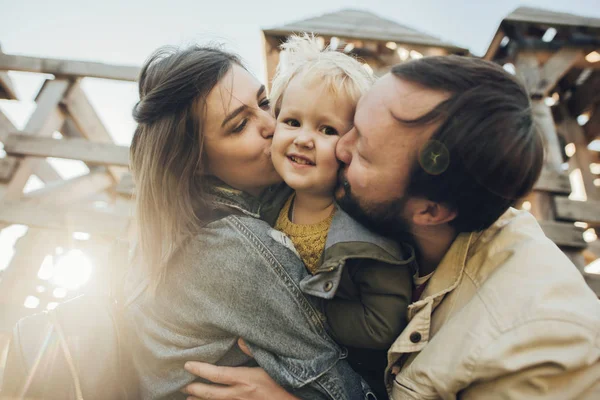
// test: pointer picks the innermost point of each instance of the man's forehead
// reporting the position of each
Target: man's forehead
(404, 99)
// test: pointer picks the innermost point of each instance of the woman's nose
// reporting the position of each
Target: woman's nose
(267, 127)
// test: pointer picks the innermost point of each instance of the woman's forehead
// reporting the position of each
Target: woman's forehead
(236, 88)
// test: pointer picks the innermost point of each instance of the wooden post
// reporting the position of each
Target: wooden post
(43, 122)
(271, 53)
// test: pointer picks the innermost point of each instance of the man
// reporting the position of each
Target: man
(441, 148)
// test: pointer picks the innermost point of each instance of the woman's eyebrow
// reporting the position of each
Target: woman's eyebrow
(261, 90)
(241, 108)
(233, 114)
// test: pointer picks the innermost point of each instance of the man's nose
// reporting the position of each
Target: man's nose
(344, 147)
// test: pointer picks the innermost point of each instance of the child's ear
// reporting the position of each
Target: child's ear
(425, 212)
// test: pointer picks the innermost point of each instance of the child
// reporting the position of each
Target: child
(367, 277)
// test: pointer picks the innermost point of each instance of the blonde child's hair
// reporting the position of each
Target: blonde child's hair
(339, 72)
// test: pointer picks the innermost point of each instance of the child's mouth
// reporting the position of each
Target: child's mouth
(300, 160)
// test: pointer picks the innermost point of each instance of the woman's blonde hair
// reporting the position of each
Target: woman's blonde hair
(340, 73)
(167, 148)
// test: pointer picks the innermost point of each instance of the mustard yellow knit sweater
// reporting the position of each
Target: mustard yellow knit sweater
(309, 240)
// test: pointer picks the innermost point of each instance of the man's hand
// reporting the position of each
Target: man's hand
(235, 383)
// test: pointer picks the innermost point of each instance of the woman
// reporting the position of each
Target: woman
(207, 270)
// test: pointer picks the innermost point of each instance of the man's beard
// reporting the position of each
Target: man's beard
(384, 218)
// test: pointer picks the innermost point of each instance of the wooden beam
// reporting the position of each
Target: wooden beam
(553, 182)
(539, 81)
(86, 122)
(556, 67)
(564, 234)
(74, 149)
(574, 134)
(91, 221)
(271, 57)
(585, 94)
(82, 113)
(44, 171)
(6, 126)
(7, 91)
(584, 211)
(72, 190)
(126, 187)
(8, 165)
(592, 128)
(490, 54)
(528, 71)
(68, 68)
(43, 122)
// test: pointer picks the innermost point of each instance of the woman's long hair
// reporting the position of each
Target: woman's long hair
(167, 149)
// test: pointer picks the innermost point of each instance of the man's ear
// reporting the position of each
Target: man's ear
(425, 212)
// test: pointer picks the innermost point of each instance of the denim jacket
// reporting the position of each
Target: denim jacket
(234, 279)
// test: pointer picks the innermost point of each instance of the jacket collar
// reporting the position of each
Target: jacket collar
(226, 196)
(449, 272)
(348, 239)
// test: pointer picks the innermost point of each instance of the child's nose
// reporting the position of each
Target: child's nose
(304, 140)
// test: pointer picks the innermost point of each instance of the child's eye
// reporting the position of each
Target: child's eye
(292, 122)
(265, 104)
(328, 130)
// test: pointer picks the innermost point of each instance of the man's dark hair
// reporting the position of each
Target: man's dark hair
(486, 152)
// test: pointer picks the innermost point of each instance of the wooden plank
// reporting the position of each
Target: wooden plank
(592, 128)
(574, 134)
(74, 149)
(585, 95)
(556, 67)
(271, 56)
(86, 122)
(43, 122)
(6, 126)
(564, 234)
(528, 71)
(8, 165)
(72, 190)
(44, 171)
(7, 91)
(91, 221)
(584, 211)
(68, 68)
(126, 186)
(553, 182)
(490, 53)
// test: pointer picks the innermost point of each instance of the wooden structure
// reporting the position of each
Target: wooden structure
(85, 213)
(557, 56)
(377, 41)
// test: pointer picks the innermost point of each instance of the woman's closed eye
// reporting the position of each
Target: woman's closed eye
(265, 104)
(240, 127)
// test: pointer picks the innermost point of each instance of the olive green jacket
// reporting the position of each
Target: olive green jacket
(368, 278)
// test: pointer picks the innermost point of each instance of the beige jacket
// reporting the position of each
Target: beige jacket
(506, 315)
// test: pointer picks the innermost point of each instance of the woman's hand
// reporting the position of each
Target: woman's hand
(235, 383)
